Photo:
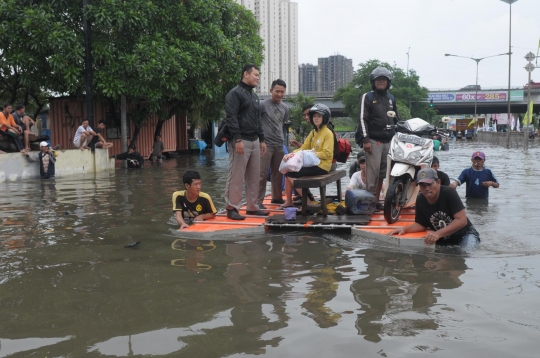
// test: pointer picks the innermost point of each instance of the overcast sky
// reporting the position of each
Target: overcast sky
(385, 29)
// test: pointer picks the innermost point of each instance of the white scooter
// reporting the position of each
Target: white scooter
(408, 154)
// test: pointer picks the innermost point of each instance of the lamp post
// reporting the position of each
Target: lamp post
(509, 2)
(476, 86)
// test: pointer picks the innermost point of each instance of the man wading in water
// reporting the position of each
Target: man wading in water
(440, 210)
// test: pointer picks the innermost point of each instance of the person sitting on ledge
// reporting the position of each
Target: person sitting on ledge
(10, 129)
(83, 136)
(192, 204)
(134, 159)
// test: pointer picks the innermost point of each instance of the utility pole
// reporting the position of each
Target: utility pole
(509, 2)
(87, 28)
(409, 50)
(530, 67)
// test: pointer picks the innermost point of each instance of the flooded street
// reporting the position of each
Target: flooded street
(69, 287)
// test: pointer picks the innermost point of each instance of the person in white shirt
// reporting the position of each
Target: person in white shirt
(358, 179)
(83, 136)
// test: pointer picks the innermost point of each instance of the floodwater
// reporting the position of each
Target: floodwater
(69, 287)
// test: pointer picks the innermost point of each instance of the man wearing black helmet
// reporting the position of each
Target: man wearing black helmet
(376, 128)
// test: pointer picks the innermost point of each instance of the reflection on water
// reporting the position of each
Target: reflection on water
(399, 290)
(69, 287)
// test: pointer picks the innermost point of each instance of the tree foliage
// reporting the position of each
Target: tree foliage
(406, 90)
(165, 56)
(298, 124)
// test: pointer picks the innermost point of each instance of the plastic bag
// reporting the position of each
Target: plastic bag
(294, 164)
(310, 159)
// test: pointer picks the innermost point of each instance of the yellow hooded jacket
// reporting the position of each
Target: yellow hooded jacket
(323, 143)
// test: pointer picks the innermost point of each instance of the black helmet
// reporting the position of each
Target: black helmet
(380, 72)
(321, 109)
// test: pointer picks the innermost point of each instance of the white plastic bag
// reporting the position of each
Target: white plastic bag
(310, 159)
(293, 164)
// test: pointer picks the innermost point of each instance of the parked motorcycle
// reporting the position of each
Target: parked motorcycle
(408, 154)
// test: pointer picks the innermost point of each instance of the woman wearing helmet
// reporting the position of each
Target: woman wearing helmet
(321, 141)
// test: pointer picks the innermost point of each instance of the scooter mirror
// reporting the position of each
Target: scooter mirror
(391, 114)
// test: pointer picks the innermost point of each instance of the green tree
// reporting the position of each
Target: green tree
(173, 57)
(406, 90)
(166, 57)
(299, 126)
(40, 51)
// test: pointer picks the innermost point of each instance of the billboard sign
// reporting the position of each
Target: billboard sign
(483, 96)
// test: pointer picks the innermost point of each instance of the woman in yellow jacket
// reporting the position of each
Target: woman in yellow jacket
(321, 141)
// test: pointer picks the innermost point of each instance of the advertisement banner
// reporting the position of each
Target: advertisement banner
(482, 97)
(442, 97)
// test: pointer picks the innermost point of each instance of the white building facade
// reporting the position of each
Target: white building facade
(279, 31)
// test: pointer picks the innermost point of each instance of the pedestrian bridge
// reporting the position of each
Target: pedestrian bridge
(447, 101)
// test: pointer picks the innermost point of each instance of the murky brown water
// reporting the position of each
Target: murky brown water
(69, 288)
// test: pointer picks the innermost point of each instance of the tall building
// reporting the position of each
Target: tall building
(334, 72)
(308, 79)
(279, 31)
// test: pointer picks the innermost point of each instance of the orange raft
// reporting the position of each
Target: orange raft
(373, 227)
(378, 229)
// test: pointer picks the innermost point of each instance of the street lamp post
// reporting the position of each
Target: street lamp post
(477, 60)
(509, 2)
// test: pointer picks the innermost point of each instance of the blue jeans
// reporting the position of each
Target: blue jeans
(471, 239)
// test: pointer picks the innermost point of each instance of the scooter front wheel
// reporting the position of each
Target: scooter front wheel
(393, 200)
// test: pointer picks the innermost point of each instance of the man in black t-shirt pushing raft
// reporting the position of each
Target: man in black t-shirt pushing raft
(440, 211)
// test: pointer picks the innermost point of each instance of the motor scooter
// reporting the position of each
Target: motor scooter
(408, 154)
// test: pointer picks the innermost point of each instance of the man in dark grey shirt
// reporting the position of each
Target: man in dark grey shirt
(273, 114)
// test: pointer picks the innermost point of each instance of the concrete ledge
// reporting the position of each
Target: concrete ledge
(15, 166)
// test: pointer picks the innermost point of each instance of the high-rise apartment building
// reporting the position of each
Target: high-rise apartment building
(308, 79)
(279, 31)
(334, 72)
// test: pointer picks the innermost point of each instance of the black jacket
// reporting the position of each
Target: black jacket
(134, 160)
(243, 117)
(374, 122)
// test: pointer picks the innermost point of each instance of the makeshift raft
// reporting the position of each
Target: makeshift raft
(373, 227)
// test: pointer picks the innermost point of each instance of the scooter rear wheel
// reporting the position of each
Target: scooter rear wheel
(392, 202)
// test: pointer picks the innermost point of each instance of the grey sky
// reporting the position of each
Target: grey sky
(384, 29)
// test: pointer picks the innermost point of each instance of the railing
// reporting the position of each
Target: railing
(500, 88)
(344, 129)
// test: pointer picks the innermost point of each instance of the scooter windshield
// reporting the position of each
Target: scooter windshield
(415, 126)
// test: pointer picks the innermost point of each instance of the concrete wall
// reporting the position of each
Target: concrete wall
(517, 139)
(15, 166)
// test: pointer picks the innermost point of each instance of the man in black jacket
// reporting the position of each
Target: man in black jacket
(376, 128)
(134, 159)
(246, 145)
